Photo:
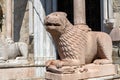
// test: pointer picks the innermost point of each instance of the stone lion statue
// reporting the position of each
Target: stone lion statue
(12, 50)
(77, 44)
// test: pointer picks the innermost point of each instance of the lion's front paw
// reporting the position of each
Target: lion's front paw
(21, 58)
(56, 63)
(97, 61)
(3, 60)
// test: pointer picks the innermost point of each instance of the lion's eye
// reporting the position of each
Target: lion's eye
(56, 24)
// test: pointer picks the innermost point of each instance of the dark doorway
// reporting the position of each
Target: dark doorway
(93, 18)
(66, 6)
(1, 18)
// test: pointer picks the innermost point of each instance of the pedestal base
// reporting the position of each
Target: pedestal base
(94, 71)
(23, 73)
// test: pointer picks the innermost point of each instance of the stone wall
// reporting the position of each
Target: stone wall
(116, 54)
(116, 9)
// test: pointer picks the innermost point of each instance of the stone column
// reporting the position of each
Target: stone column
(110, 13)
(9, 18)
(105, 10)
(107, 20)
(44, 49)
(79, 12)
(31, 30)
(110, 4)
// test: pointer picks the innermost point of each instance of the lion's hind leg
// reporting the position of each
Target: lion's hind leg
(23, 48)
(104, 48)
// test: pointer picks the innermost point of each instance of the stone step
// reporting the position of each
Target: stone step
(23, 73)
(94, 71)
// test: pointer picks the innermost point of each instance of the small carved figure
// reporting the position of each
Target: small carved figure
(12, 50)
(78, 45)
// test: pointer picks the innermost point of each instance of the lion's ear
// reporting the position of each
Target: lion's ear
(63, 14)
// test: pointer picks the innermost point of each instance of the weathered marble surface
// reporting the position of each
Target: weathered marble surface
(23, 73)
(94, 71)
(76, 43)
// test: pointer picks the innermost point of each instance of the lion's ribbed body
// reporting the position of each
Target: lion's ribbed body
(73, 43)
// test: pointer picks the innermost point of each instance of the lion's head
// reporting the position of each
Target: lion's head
(57, 21)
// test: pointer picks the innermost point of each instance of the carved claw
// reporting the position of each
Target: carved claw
(83, 70)
(47, 64)
(56, 63)
(54, 69)
(63, 70)
(97, 62)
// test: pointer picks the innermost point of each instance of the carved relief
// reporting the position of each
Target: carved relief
(77, 44)
(10, 50)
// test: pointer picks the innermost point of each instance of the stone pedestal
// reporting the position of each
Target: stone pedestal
(94, 71)
(24, 73)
